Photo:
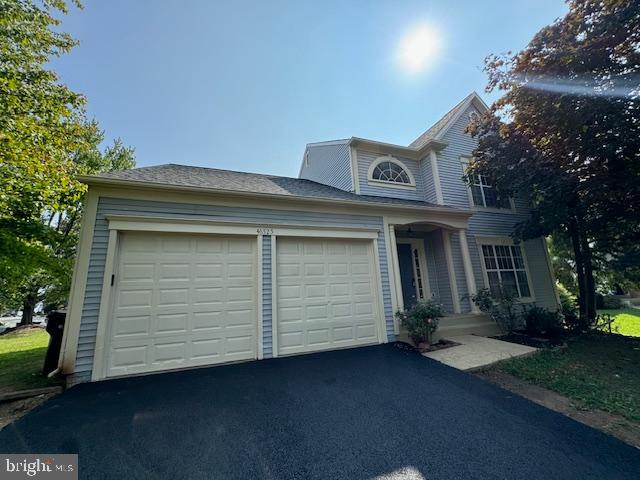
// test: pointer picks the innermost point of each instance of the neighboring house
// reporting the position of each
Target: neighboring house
(183, 266)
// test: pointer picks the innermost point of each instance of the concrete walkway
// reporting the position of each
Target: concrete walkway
(475, 352)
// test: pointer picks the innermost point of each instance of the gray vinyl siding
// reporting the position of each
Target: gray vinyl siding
(267, 312)
(329, 165)
(118, 206)
(429, 183)
(365, 159)
(485, 223)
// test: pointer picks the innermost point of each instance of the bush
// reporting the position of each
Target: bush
(569, 307)
(539, 321)
(611, 302)
(421, 320)
(501, 307)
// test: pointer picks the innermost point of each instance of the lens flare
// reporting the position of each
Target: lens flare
(419, 48)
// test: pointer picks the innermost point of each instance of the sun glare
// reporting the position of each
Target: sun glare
(419, 48)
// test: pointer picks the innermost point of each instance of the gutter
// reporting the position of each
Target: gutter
(410, 152)
(116, 182)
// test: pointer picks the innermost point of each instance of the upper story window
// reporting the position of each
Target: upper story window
(485, 195)
(391, 171)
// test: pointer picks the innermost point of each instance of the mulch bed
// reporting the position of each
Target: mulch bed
(439, 345)
(522, 338)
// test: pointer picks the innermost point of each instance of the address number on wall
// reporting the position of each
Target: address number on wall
(265, 231)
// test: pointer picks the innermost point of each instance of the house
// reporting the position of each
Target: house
(182, 266)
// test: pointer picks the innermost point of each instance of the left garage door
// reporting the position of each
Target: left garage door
(182, 301)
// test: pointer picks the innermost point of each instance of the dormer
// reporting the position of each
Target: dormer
(369, 167)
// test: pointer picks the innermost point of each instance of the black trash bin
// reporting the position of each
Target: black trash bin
(55, 327)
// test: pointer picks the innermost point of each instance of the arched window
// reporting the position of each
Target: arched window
(390, 170)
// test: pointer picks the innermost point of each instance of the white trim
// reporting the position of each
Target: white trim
(468, 269)
(391, 159)
(328, 143)
(389, 148)
(98, 370)
(382, 183)
(382, 321)
(552, 274)
(71, 333)
(155, 193)
(390, 269)
(453, 285)
(134, 189)
(177, 225)
(472, 98)
(274, 298)
(418, 243)
(396, 282)
(507, 241)
(260, 332)
(355, 180)
(433, 159)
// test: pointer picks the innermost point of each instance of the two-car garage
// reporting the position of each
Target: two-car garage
(182, 299)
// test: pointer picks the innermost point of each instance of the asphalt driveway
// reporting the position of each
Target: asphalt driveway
(377, 412)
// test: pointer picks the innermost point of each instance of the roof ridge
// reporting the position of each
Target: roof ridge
(433, 130)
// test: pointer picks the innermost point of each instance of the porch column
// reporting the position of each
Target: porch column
(453, 285)
(468, 268)
(395, 274)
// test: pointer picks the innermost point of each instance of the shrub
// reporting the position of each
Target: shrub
(500, 306)
(569, 308)
(421, 320)
(540, 321)
(611, 302)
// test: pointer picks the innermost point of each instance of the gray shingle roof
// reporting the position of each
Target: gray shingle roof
(188, 176)
(437, 127)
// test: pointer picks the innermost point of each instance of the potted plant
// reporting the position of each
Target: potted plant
(421, 321)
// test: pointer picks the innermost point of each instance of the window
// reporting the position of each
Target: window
(504, 265)
(485, 195)
(392, 171)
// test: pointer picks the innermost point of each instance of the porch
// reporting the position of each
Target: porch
(433, 260)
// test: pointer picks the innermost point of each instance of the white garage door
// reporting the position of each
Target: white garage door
(182, 301)
(326, 294)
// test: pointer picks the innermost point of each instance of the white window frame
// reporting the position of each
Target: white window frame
(506, 241)
(511, 209)
(389, 158)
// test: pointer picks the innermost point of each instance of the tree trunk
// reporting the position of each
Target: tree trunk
(28, 307)
(590, 284)
(580, 273)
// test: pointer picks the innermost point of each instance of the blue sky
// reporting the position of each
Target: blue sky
(245, 85)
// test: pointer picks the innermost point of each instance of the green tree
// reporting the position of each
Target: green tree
(565, 134)
(45, 141)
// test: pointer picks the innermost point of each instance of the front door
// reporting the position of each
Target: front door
(412, 266)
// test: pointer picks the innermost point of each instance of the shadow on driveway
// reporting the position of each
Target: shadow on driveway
(375, 412)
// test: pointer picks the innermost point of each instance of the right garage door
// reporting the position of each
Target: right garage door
(326, 294)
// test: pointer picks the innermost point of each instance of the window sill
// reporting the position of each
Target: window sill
(510, 211)
(400, 186)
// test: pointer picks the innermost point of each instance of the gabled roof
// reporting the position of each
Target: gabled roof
(223, 181)
(438, 129)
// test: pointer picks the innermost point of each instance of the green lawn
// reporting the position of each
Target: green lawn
(596, 371)
(21, 359)
(626, 321)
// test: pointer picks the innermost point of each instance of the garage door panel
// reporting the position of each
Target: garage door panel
(182, 300)
(325, 292)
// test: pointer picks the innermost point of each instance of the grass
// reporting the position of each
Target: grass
(21, 359)
(626, 321)
(596, 371)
